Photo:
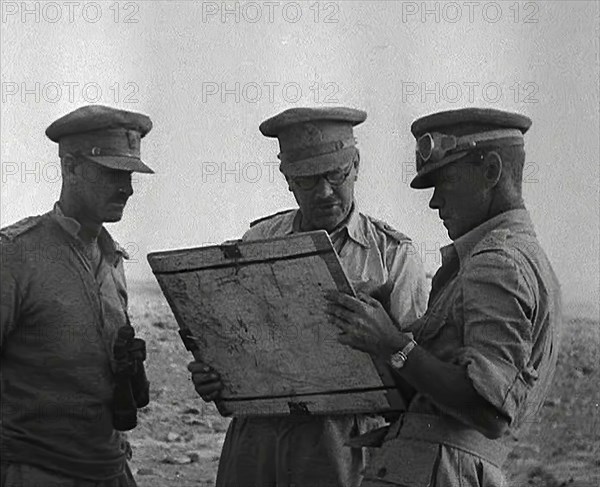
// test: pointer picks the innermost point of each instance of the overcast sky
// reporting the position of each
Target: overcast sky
(208, 73)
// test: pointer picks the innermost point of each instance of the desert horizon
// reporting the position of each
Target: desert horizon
(572, 306)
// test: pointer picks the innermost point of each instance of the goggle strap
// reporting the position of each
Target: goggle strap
(473, 141)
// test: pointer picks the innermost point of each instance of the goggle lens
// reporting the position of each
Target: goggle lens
(425, 146)
(435, 146)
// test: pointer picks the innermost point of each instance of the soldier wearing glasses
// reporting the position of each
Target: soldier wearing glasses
(320, 162)
(481, 359)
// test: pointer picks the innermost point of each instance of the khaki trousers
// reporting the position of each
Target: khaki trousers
(23, 475)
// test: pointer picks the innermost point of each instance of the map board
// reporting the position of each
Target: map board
(255, 311)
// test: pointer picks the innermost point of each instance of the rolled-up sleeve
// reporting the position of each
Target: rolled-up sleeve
(498, 304)
(408, 295)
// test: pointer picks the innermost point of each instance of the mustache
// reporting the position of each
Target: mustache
(326, 202)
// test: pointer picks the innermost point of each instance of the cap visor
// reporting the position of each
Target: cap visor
(423, 179)
(122, 163)
(318, 164)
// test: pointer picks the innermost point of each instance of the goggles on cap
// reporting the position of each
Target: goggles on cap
(432, 147)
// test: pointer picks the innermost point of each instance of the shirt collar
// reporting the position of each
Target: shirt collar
(355, 228)
(107, 245)
(352, 224)
(68, 224)
(463, 246)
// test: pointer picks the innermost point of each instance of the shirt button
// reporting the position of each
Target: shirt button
(382, 472)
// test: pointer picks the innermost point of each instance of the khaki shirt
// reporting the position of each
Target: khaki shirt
(286, 451)
(498, 314)
(495, 309)
(59, 317)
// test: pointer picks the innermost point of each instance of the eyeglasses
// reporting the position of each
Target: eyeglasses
(434, 146)
(334, 178)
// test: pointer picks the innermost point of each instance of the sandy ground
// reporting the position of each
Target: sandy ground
(179, 438)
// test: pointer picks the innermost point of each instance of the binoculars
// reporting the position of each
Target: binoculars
(132, 389)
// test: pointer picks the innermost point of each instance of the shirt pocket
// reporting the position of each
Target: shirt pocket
(429, 325)
(406, 462)
(444, 309)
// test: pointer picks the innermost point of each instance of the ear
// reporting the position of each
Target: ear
(356, 164)
(68, 163)
(492, 166)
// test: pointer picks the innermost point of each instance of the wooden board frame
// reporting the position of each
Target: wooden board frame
(255, 311)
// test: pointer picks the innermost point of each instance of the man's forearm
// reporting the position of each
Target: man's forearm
(365, 325)
(450, 387)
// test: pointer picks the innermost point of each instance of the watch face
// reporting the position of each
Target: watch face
(397, 361)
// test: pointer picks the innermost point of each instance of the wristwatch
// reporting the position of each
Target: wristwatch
(397, 359)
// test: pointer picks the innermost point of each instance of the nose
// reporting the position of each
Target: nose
(126, 188)
(436, 201)
(323, 189)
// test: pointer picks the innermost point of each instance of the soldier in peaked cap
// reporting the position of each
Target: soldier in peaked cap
(64, 302)
(482, 357)
(320, 162)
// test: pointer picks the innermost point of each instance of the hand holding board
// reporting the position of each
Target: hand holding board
(255, 311)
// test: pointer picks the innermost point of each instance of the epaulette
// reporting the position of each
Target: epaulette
(389, 230)
(498, 239)
(19, 228)
(121, 250)
(495, 237)
(264, 218)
